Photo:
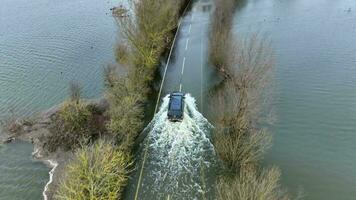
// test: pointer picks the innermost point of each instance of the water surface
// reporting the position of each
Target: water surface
(43, 46)
(315, 101)
(21, 177)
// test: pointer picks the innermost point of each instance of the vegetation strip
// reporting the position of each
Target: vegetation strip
(157, 102)
(244, 65)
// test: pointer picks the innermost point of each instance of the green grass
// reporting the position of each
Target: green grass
(98, 172)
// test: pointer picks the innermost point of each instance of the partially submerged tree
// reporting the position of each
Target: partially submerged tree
(251, 184)
(240, 101)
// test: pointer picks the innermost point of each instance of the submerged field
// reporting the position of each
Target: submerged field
(314, 100)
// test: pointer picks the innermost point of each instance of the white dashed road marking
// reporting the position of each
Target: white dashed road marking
(183, 65)
(186, 44)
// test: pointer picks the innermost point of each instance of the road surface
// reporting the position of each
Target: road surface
(187, 71)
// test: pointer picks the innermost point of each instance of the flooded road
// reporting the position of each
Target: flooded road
(179, 161)
(44, 45)
(315, 91)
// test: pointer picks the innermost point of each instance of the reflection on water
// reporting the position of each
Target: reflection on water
(315, 46)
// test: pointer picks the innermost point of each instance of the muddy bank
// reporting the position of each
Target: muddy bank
(36, 131)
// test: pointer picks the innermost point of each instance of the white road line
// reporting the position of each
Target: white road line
(158, 98)
(183, 65)
(186, 44)
(180, 87)
(190, 27)
(201, 72)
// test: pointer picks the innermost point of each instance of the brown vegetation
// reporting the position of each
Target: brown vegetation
(75, 124)
(240, 100)
(251, 184)
(100, 171)
(220, 35)
(239, 106)
(146, 33)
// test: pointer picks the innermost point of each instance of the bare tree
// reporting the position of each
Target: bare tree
(239, 103)
(252, 184)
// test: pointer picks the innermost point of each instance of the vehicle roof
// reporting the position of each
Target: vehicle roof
(177, 94)
(176, 103)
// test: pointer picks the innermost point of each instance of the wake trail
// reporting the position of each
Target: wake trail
(179, 153)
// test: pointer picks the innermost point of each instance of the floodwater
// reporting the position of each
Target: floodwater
(180, 162)
(21, 177)
(46, 44)
(43, 46)
(177, 160)
(315, 93)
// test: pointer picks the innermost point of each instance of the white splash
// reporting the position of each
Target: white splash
(179, 150)
(54, 165)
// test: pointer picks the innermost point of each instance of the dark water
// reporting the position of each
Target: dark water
(43, 46)
(315, 101)
(21, 177)
(46, 44)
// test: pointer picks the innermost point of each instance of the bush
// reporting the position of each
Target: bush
(97, 172)
(75, 116)
(239, 150)
(239, 104)
(72, 126)
(250, 184)
(220, 34)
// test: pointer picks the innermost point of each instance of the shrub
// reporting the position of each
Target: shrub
(220, 34)
(239, 104)
(75, 116)
(72, 126)
(97, 172)
(251, 184)
(238, 150)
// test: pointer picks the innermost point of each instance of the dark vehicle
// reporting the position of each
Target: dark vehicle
(176, 107)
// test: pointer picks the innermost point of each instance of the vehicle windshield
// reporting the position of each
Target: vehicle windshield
(176, 103)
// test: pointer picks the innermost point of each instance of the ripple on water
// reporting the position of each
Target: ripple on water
(20, 175)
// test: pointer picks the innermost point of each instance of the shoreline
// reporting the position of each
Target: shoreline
(55, 161)
(54, 165)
